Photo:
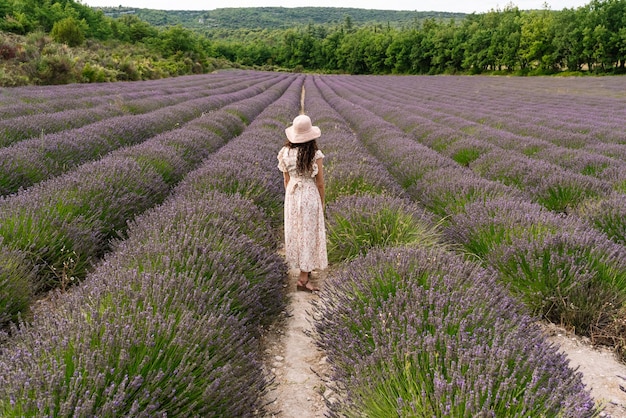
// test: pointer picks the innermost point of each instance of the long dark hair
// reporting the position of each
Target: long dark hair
(306, 155)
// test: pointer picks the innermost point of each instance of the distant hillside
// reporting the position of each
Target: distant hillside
(276, 17)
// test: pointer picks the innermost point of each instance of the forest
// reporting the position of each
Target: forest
(59, 42)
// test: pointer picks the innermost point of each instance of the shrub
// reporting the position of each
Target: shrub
(577, 279)
(222, 240)
(7, 51)
(55, 69)
(132, 344)
(357, 224)
(93, 73)
(484, 226)
(560, 267)
(68, 31)
(447, 191)
(16, 285)
(608, 215)
(416, 332)
(350, 177)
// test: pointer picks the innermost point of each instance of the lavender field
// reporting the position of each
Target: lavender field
(140, 225)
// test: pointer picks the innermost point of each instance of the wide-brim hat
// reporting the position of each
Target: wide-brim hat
(302, 130)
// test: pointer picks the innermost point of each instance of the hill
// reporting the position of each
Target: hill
(276, 17)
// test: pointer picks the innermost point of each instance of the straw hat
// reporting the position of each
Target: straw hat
(302, 130)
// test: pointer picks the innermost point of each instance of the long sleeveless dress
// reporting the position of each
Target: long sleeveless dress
(305, 231)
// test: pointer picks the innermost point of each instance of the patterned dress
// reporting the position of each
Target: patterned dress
(305, 231)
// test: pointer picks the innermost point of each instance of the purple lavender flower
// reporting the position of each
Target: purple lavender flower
(416, 331)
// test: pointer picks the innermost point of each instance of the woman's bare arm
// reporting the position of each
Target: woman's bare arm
(319, 178)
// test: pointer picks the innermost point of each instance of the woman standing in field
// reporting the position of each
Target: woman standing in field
(305, 235)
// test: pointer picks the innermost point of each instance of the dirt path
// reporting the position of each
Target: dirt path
(298, 366)
(602, 373)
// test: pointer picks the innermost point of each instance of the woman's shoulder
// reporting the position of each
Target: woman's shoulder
(283, 151)
(319, 154)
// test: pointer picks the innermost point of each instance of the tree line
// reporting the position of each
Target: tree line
(592, 37)
(513, 41)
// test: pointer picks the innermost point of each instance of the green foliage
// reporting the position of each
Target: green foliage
(328, 40)
(55, 66)
(68, 31)
(94, 73)
(565, 196)
(234, 18)
(565, 279)
(359, 224)
(465, 156)
(16, 278)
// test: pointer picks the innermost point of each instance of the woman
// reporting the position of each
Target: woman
(305, 235)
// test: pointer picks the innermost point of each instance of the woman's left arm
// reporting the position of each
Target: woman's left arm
(319, 178)
(286, 178)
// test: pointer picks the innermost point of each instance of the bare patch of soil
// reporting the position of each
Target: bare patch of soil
(602, 373)
(299, 368)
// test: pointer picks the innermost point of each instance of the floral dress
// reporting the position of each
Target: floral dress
(305, 233)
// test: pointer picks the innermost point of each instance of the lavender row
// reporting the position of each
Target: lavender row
(587, 145)
(30, 100)
(77, 115)
(32, 161)
(569, 113)
(61, 226)
(355, 314)
(587, 191)
(165, 327)
(168, 324)
(415, 332)
(556, 188)
(411, 163)
(587, 260)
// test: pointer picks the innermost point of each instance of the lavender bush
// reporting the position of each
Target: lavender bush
(358, 224)
(554, 188)
(16, 285)
(484, 226)
(562, 268)
(415, 332)
(608, 215)
(64, 223)
(447, 191)
(129, 344)
(466, 150)
(224, 240)
(575, 278)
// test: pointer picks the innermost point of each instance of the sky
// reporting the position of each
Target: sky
(461, 6)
